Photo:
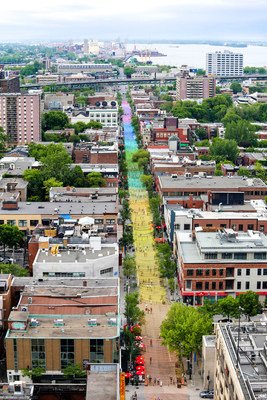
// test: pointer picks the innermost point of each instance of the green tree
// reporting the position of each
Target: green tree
(249, 303)
(56, 165)
(95, 180)
(141, 153)
(81, 100)
(201, 133)
(201, 72)
(243, 171)
(228, 307)
(129, 266)
(94, 125)
(242, 132)
(74, 370)
(34, 373)
(77, 178)
(13, 269)
(222, 150)
(183, 329)
(126, 240)
(236, 87)
(51, 182)
(3, 140)
(54, 120)
(128, 71)
(132, 312)
(35, 183)
(10, 236)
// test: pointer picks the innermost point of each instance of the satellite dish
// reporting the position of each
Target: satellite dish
(97, 104)
(104, 103)
(113, 103)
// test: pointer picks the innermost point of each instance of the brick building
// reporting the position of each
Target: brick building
(57, 326)
(9, 84)
(212, 265)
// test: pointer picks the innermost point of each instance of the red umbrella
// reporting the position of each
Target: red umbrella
(128, 375)
(142, 346)
(140, 358)
(139, 338)
(140, 368)
(158, 227)
(140, 362)
(140, 372)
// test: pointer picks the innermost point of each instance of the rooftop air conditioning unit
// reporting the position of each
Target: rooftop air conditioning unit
(92, 322)
(24, 308)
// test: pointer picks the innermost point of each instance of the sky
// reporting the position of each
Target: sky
(152, 20)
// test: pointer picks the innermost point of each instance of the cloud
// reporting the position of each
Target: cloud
(173, 19)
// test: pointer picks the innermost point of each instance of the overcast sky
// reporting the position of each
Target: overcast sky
(133, 19)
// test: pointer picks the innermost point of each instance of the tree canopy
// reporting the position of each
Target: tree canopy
(222, 150)
(184, 327)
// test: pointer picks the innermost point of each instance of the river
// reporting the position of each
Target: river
(194, 55)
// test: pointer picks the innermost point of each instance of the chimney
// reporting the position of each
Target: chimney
(84, 283)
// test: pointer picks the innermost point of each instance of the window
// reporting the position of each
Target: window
(210, 256)
(264, 285)
(250, 227)
(259, 271)
(199, 286)
(188, 284)
(110, 221)
(239, 272)
(106, 271)
(187, 227)
(207, 285)
(227, 256)
(99, 221)
(247, 285)
(258, 285)
(190, 272)
(2, 221)
(240, 227)
(207, 272)
(260, 256)
(221, 272)
(240, 256)
(220, 285)
(11, 222)
(96, 350)
(247, 271)
(199, 272)
(22, 222)
(214, 271)
(38, 353)
(265, 271)
(238, 286)
(34, 222)
(67, 355)
(15, 353)
(213, 285)
(261, 228)
(223, 225)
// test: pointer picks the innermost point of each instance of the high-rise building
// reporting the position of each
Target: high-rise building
(20, 117)
(85, 46)
(195, 87)
(9, 84)
(224, 63)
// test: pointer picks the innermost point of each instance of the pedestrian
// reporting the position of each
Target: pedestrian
(155, 382)
(150, 380)
(171, 380)
(160, 384)
(158, 380)
(151, 310)
(150, 360)
(151, 342)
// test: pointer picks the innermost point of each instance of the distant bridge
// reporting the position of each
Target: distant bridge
(127, 81)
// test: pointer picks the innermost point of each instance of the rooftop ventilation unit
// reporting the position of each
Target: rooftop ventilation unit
(29, 300)
(59, 322)
(24, 308)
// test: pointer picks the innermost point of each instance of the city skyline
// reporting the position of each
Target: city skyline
(220, 20)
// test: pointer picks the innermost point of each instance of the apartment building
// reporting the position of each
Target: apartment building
(196, 87)
(177, 185)
(9, 84)
(20, 117)
(240, 361)
(106, 115)
(59, 325)
(224, 63)
(212, 265)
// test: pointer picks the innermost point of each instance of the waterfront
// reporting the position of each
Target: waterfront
(195, 54)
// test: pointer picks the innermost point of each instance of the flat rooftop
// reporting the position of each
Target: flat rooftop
(74, 256)
(211, 183)
(63, 208)
(64, 282)
(74, 327)
(212, 242)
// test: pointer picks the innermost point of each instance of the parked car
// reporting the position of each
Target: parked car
(6, 260)
(207, 394)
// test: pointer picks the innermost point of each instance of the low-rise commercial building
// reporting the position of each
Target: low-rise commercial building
(212, 265)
